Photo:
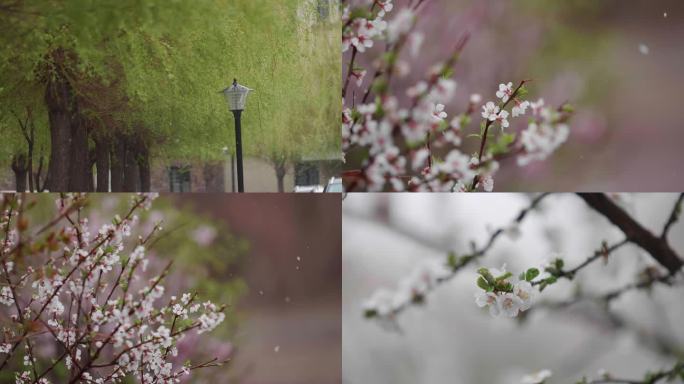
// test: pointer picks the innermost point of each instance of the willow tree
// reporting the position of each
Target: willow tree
(122, 82)
(64, 49)
(300, 111)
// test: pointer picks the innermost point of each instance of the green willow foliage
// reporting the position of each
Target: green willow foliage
(158, 65)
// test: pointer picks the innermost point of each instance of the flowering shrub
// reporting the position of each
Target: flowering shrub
(506, 294)
(86, 293)
(395, 132)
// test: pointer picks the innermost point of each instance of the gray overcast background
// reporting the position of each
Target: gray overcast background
(450, 340)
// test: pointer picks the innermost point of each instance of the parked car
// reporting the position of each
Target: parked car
(308, 189)
(334, 185)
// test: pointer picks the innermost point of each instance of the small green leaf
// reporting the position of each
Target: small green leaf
(504, 276)
(452, 260)
(531, 274)
(487, 275)
(502, 144)
(559, 264)
(370, 313)
(482, 283)
(504, 286)
(568, 108)
(447, 73)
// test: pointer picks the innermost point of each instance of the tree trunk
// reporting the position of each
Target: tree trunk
(92, 160)
(30, 141)
(117, 163)
(80, 157)
(37, 174)
(281, 171)
(102, 150)
(59, 102)
(131, 174)
(144, 168)
(32, 186)
(213, 177)
(20, 169)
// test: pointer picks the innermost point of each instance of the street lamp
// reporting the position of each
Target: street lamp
(236, 96)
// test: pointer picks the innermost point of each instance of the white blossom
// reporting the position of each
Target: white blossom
(537, 106)
(439, 113)
(400, 24)
(6, 297)
(488, 299)
(490, 111)
(475, 98)
(536, 377)
(520, 108)
(509, 304)
(505, 91)
(527, 294)
(487, 183)
(382, 302)
(502, 118)
(540, 140)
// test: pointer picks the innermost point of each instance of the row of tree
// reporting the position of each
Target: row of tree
(93, 95)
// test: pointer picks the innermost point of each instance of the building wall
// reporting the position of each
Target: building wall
(7, 180)
(259, 177)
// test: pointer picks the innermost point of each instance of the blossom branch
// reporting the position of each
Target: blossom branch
(485, 133)
(387, 306)
(646, 283)
(556, 271)
(677, 371)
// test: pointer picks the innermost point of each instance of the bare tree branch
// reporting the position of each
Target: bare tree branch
(657, 247)
(674, 216)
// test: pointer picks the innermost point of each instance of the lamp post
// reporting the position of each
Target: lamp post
(236, 96)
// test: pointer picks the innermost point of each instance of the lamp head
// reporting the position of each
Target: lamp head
(236, 96)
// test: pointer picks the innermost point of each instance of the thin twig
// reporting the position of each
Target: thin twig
(674, 216)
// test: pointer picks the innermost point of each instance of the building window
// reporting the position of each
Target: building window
(179, 179)
(306, 173)
(323, 8)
